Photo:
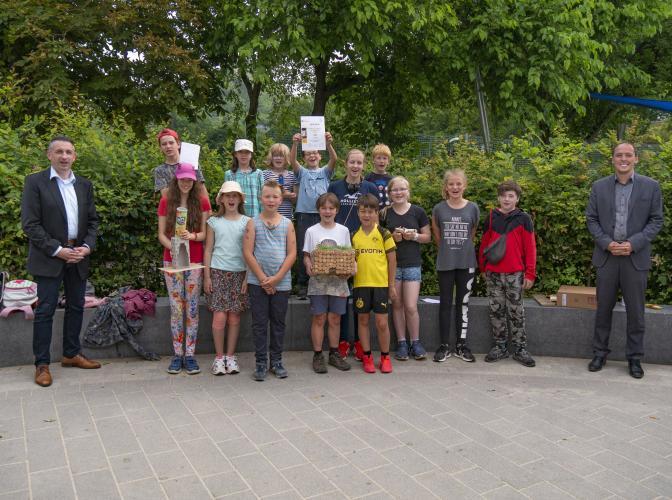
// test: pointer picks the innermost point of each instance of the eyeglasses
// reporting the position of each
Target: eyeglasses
(398, 190)
(278, 157)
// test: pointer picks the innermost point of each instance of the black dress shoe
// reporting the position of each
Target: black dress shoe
(635, 368)
(597, 363)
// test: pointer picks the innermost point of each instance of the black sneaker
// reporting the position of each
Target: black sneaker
(464, 353)
(495, 354)
(337, 361)
(523, 357)
(319, 365)
(442, 353)
(302, 292)
(260, 372)
(278, 369)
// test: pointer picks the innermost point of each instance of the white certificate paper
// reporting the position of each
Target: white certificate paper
(189, 153)
(312, 133)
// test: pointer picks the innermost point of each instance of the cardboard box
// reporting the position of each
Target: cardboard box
(582, 297)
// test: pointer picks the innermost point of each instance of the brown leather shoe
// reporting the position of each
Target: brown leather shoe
(80, 361)
(42, 375)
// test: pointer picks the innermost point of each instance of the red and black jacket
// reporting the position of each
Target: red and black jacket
(521, 247)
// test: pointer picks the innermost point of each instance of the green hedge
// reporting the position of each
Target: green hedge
(555, 180)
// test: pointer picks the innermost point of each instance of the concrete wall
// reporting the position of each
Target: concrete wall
(551, 331)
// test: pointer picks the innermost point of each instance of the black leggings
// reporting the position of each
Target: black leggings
(462, 280)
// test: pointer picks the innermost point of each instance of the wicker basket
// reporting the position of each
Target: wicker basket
(336, 261)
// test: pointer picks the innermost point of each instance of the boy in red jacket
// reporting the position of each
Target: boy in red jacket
(507, 278)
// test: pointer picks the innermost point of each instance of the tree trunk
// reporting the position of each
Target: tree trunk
(621, 130)
(321, 91)
(598, 127)
(253, 92)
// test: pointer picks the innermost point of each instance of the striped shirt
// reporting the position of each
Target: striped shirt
(270, 250)
(287, 180)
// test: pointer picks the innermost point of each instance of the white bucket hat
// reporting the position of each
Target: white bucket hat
(231, 187)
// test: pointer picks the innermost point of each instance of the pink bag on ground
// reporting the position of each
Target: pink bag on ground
(19, 295)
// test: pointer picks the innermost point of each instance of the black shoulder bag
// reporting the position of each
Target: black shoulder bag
(496, 250)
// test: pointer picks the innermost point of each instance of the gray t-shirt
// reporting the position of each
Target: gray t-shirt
(456, 248)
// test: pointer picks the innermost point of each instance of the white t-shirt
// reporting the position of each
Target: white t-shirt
(327, 285)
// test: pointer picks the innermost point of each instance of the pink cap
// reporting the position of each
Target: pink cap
(185, 171)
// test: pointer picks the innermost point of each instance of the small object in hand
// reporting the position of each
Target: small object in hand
(180, 219)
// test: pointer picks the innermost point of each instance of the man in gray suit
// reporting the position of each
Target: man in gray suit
(59, 218)
(624, 215)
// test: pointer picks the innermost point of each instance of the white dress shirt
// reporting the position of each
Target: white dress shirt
(67, 189)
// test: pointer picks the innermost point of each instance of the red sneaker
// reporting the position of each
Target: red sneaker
(385, 364)
(357, 348)
(343, 348)
(367, 364)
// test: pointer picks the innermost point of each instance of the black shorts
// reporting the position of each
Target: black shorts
(369, 298)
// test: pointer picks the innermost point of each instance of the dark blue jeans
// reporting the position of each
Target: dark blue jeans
(47, 299)
(303, 222)
(268, 310)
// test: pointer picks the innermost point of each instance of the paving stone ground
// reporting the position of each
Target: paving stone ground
(450, 430)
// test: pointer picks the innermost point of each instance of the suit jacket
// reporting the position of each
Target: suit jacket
(44, 221)
(645, 218)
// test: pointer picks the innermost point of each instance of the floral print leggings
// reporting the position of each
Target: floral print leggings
(184, 290)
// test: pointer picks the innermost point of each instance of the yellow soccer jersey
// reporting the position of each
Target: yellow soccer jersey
(372, 250)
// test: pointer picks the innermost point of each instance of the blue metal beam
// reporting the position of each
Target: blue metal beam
(635, 101)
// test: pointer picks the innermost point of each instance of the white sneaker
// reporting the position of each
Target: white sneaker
(218, 366)
(232, 365)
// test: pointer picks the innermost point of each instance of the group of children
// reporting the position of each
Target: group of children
(242, 255)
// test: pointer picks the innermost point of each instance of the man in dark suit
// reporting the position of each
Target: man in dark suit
(624, 214)
(59, 218)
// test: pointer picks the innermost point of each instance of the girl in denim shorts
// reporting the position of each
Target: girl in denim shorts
(410, 228)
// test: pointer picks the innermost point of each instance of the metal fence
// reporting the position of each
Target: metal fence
(428, 145)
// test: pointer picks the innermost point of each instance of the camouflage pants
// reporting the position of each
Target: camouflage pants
(505, 291)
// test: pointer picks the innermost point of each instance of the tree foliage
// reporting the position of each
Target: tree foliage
(653, 68)
(248, 40)
(135, 57)
(379, 63)
(540, 60)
